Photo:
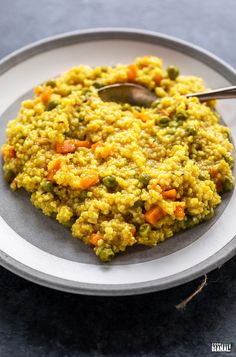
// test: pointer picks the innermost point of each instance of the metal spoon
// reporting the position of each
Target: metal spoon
(136, 94)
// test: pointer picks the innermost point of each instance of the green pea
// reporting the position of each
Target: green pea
(156, 103)
(228, 134)
(139, 203)
(229, 159)
(187, 222)
(227, 185)
(154, 140)
(202, 177)
(181, 114)
(80, 135)
(98, 84)
(47, 186)
(144, 179)
(68, 134)
(128, 216)
(51, 83)
(9, 175)
(191, 131)
(69, 223)
(190, 221)
(171, 131)
(172, 72)
(144, 230)
(104, 69)
(110, 182)
(164, 122)
(126, 106)
(51, 105)
(87, 92)
(83, 195)
(106, 254)
(209, 215)
(137, 109)
(64, 92)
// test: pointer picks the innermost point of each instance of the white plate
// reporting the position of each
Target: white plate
(36, 247)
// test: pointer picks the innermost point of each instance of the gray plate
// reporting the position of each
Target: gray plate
(16, 207)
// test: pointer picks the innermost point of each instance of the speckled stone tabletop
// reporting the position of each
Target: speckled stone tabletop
(36, 321)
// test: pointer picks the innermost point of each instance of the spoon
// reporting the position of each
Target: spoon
(136, 94)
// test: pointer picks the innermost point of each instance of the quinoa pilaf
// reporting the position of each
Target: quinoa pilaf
(116, 174)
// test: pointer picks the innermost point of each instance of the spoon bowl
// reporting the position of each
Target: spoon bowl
(136, 94)
(133, 94)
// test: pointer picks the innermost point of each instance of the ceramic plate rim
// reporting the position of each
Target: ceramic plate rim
(69, 38)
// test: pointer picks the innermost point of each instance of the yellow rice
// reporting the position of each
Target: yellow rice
(192, 155)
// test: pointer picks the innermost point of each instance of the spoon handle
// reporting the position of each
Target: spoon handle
(223, 93)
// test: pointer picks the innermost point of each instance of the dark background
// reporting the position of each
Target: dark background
(36, 321)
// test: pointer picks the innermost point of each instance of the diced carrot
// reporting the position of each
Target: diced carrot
(155, 145)
(132, 72)
(143, 116)
(69, 146)
(8, 152)
(89, 180)
(94, 238)
(43, 141)
(104, 152)
(133, 231)
(179, 212)
(165, 112)
(213, 171)
(11, 152)
(157, 79)
(219, 184)
(82, 144)
(3, 151)
(153, 186)
(46, 94)
(37, 90)
(54, 169)
(66, 147)
(145, 61)
(96, 145)
(170, 194)
(153, 215)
